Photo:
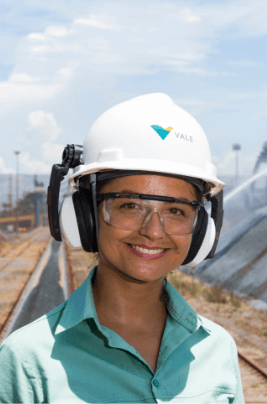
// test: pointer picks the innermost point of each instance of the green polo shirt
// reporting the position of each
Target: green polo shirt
(67, 356)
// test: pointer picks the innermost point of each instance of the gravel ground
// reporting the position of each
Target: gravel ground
(18, 258)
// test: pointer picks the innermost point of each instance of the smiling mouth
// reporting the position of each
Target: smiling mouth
(146, 251)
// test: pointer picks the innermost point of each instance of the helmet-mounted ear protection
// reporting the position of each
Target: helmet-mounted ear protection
(207, 232)
(71, 158)
(77, 221)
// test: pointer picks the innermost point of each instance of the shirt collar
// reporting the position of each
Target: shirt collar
(80, 306)
(182, 312)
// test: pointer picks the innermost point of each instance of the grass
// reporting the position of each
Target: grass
(212, 294)
(185, 288)
(234, 302)
(188, 287)
(264, 332)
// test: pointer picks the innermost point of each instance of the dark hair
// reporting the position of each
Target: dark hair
(165, 296)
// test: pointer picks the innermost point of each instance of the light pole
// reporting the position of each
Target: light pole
(17, 190)
(236, 148)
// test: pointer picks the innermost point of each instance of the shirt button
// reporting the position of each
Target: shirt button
(156, 382)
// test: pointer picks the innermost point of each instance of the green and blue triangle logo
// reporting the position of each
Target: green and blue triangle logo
(163, 133)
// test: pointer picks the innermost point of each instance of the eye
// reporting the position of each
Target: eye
(129, 205)
(176, 211)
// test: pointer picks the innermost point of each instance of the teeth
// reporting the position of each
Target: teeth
(145, 251)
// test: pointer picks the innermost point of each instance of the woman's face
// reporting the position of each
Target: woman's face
(118, 246)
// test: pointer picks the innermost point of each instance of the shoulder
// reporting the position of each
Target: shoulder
(216, 331)
(32, 336)
(219, 344)
(20, 357)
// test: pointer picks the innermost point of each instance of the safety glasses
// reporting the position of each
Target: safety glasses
(133, 212)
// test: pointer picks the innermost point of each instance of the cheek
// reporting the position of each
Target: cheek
(110, 237)
(183, 244)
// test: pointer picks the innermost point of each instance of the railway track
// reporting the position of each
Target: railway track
(21, 269)
(254, 381)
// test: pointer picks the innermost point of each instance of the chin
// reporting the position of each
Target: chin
(144, 272)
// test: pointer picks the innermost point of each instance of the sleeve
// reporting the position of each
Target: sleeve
(16, 384)
(239, 397)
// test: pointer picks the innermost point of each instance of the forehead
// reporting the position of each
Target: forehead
(151, 184)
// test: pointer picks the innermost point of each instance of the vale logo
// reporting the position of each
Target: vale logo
(163, 133)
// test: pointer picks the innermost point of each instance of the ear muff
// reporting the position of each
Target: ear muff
(76, 221)
(202, 239)
(68, 223)
(83, 205)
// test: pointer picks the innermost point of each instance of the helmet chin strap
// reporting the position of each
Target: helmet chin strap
(93, 190)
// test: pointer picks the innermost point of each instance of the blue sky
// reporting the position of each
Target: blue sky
(63, 63)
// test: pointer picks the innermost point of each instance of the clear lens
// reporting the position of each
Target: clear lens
(133, 214)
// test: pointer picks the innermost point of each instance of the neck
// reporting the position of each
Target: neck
(125, 300)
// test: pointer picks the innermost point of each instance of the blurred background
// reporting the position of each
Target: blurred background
(63, 63)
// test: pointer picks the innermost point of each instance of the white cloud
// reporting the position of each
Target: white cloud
(95, 22)
(12, 92)
(23, 87)
(32, 165)
(52, 153)
(46, 124)
(22, 78)
(65, 72)
(144, 38)
(175, 37)
(4, 169)
(41, 49)
(58, 31)
(36, 36)
(189, 17)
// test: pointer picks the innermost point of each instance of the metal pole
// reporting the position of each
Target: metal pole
(17, 191)
(236, 148)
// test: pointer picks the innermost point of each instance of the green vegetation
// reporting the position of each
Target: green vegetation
(231, 306)
(185, 288)
(193, 288)
(214, 295)
(234, 302)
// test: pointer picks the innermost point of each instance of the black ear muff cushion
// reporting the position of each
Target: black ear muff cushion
(198, 235)
(83, 205)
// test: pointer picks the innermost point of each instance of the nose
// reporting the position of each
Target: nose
(152, 227)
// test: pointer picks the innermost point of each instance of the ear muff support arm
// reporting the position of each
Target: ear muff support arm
(94, 198)
(217, 216)
(57, 175)
(71, 157)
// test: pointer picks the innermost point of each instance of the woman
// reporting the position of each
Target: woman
(126, 335)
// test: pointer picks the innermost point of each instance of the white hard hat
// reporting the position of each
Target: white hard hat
(148, 133)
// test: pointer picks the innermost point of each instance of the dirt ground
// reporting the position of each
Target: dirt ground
(248, 326)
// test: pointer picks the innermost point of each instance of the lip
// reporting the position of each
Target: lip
(146, 256)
